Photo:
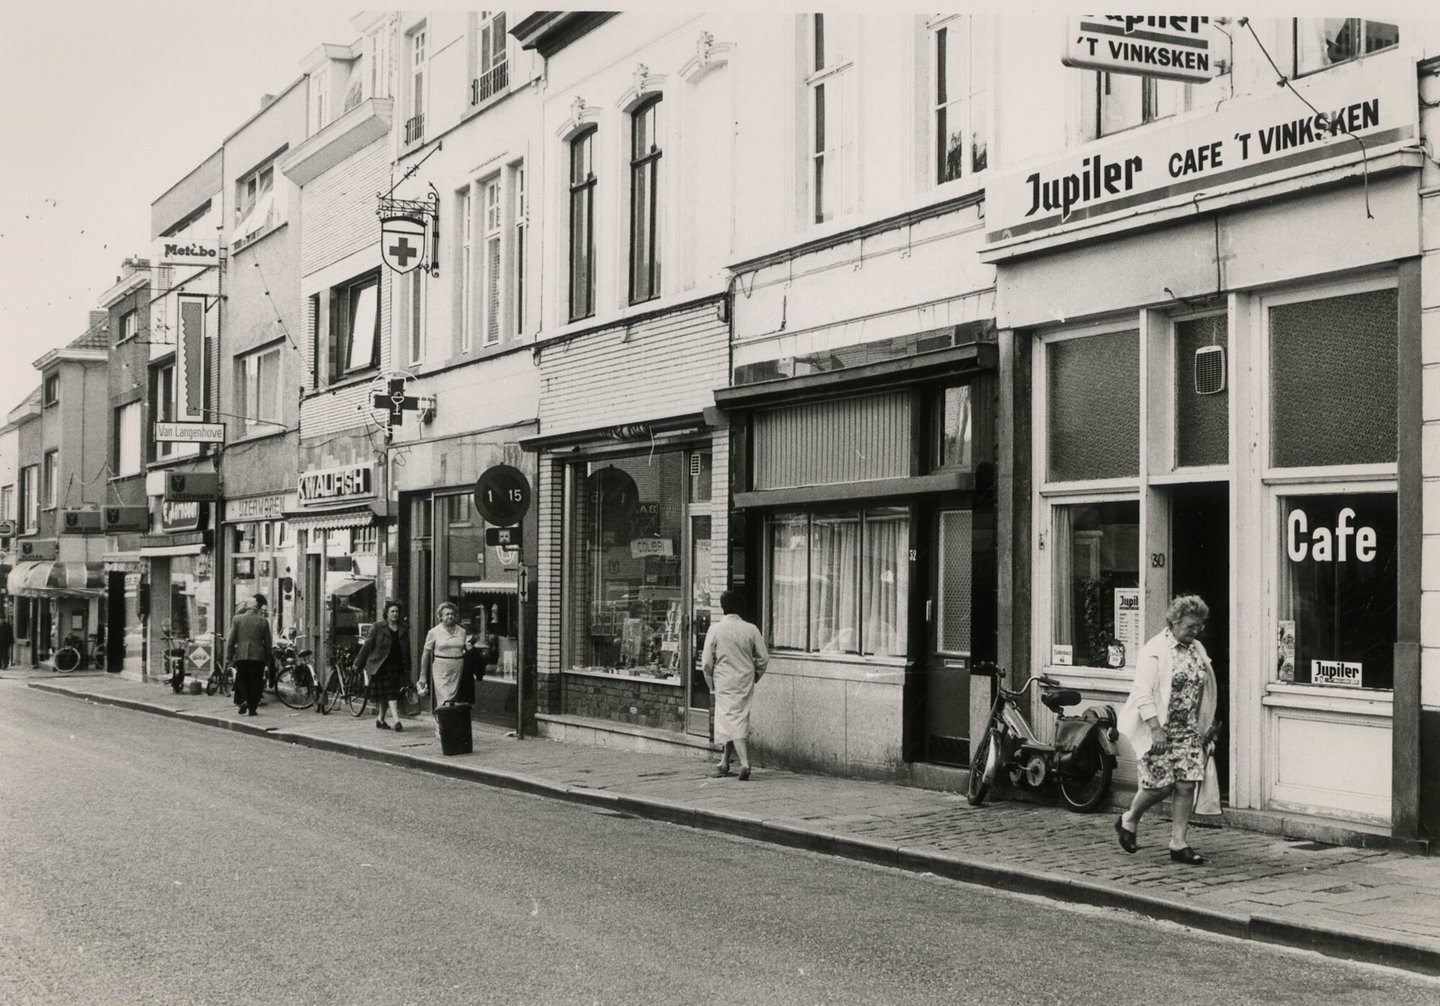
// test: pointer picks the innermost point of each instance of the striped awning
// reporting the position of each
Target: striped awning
(51, 579)
(375, 512)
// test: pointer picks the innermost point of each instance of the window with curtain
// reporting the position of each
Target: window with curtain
(517, 251)
(961, 86)
(582, 226)
(1322, 42)
(839, 582)
(493, 279)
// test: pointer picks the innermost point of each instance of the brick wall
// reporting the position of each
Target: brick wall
(624, 700)
(339, 208)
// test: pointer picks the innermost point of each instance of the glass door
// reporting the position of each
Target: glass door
(697, 695)
(950, 614)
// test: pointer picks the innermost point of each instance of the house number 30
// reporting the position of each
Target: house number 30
(1157, 560)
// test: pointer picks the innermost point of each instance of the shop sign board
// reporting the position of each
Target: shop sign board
(1335, 672)
(190, 433)
(190, 251)
(7, 529)
(255, 508)
(191, 487)
(329, 485)
(44, 548)
(1127, 625)
(125, 518)
(182, 515)
(641, 548)
(81, 522)
(1175, 48)
(1210, 152)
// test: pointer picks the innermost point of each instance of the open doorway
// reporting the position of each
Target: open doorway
(1200, 564)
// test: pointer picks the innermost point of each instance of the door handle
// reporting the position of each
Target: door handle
(929, 604)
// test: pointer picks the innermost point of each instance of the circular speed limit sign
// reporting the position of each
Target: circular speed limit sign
(502, 495)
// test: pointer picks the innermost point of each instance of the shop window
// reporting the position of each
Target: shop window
(961, 68)
(644, 202)
(1325, 357)
(829, 78)
(1322, 42)
(625, 593)
(1096, 549)
(1338, 590)
(582, 226)
(1093, 429)
(1202, 398)
(839, 582)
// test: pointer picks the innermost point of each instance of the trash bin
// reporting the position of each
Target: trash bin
(452, 723)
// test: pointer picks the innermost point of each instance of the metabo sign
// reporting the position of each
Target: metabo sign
(1175, 48)
(190, 251)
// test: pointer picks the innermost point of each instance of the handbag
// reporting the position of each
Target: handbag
(1207, 794)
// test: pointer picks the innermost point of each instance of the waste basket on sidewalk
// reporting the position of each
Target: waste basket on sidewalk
(452, 723)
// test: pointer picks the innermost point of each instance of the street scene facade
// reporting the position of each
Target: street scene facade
(947, 340)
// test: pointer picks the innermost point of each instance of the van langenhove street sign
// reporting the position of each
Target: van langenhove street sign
(190, 433)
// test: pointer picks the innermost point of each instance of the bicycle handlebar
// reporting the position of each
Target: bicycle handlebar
(987, 669)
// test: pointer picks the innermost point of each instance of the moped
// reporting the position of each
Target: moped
(1081, 761)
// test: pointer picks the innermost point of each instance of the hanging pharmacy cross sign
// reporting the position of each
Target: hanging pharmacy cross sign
(402, 243)
(395, 402)
(1175, 48)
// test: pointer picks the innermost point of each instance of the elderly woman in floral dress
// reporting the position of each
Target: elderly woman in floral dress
(1168, 719)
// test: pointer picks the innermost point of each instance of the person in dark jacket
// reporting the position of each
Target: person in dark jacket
(7, 640)
(385, 659)
(250, 649)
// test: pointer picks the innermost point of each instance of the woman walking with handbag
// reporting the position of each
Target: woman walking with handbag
(443, 658)
(385, 659)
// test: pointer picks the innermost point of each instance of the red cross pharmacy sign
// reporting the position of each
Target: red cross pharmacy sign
(402, 243)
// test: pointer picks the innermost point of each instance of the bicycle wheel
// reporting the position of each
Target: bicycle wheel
(330, 692)
(67, 658)
(212, 683)
(355, 691)
(227, 680)
(1085, 795)
(294, 686)
(982, 768)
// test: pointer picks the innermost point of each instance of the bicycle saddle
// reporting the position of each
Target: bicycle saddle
(1058, 698)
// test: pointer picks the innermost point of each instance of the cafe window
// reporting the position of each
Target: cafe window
(1096, 550)
(624, 597)
(1093, 388)
(839, 582)
(1322, 42)
(1337, 614)
(1202, 400)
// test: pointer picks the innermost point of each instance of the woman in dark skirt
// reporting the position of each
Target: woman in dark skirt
(385, 659)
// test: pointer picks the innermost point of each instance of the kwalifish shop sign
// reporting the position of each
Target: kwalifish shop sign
(330, 485)
(1205, 152)
(1176, 48)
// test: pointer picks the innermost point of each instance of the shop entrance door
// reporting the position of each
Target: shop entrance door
(697, 617)
(1200, 564)
(949, 633)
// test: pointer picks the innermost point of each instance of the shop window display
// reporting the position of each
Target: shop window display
(625, 565)
(1097, 554)
(839, 582)
(1338, 590)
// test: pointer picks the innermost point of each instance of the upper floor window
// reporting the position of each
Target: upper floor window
(832, 141)
(517, 253)
(354, 326)
(51, 393)
(582, 225)
(961, 97)
(415, 124)
(162, 402)
(256, 208)
(464, 249)
(417, 315)
(129, 325)
(1123, 100)
(51, 477)
(1326, 41)
(257, 389)
(7, 502)
(492, 67)
(30, 499)
(126, 447)
(492, 277)
(644, 202)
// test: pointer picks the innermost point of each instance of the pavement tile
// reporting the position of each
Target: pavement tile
(1372, 903)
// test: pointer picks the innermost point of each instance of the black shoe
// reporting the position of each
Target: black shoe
(382, 725)
(744, 773)
(399, 726)
(1187, 855)
(1127, 837)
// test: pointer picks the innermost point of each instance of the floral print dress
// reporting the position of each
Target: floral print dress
(1184, 755)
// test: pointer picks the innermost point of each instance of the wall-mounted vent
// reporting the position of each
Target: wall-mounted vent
(1209, 370)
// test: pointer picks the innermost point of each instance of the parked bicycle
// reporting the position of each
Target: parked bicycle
(1081, 761)
(174, 659)
(70, 656)
(222, 675)
(345, 682)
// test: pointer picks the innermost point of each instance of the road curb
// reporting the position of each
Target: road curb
(1354, 943)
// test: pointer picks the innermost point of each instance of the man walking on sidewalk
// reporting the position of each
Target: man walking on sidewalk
(249, 649)
(735, 658)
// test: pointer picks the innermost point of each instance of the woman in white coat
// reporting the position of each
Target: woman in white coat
(1168, 720)
(734, 659)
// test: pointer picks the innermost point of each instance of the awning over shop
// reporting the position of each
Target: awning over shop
(123, 562)
(57, 579)
(343, 517)
(488, 587)
(349, 588)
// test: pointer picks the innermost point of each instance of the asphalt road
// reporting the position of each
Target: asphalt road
(147, 860)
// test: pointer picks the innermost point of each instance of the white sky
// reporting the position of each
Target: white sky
(103, 106)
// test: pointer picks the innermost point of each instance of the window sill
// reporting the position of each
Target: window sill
(1377, 702)
(620, 675)
(244, 243)
(348, 381)
(269, 432)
